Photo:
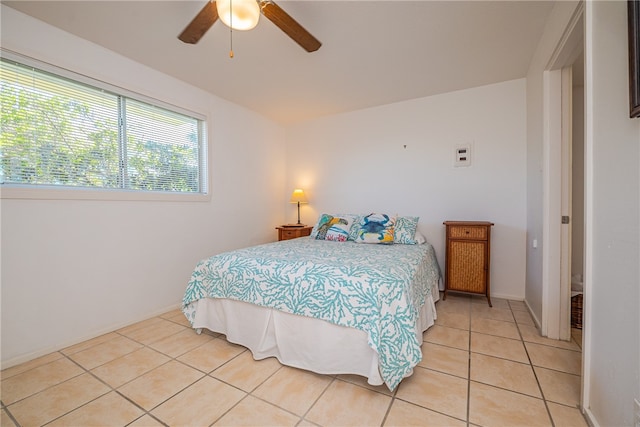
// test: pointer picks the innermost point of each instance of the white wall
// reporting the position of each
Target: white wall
(74, 269)
(612, 354)
(357, 162)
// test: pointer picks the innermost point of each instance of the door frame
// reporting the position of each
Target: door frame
(574, 40)
(556, 253)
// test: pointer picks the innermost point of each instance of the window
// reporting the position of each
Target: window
(59, 132)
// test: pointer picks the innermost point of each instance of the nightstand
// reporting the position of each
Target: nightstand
(286, 233)
(467, 257)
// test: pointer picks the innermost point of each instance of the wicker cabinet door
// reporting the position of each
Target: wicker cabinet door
(468, 257)
(467, 269)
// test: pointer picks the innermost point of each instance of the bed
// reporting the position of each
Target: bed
(331, 307)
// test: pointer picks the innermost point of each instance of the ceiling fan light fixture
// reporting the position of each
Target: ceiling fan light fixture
(246, 13)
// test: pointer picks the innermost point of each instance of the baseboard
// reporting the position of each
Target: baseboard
(506, 296)
(533, 316)
(590, 418)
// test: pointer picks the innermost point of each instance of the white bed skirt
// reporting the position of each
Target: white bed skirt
(298, 341)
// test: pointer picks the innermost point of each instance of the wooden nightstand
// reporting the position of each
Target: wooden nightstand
(286, 233)
(467, 257)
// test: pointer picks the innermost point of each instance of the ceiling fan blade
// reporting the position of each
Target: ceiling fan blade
(200, 24)
(290, 26)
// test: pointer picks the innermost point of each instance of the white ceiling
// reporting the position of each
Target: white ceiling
(373, 52)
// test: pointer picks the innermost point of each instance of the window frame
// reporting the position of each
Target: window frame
(55, 192)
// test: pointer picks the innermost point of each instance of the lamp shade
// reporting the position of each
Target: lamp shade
(239, 14)
(298, 196)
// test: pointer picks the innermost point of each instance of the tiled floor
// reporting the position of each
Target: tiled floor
(482, 366)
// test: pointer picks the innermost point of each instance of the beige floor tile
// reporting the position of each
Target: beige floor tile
(497, 303)
(436, 391)
(491, 406)
(523, 318)
(495, 327)
(56, 401)
(212, 333)
(407, 414)
(455, 304)
(532, 334)
(504, 390)
(23, 367)
(146, 421)
(293, 389)
(154, 332)
(140, 325)
(479, 311)
(454, 319)
(576, 334)
(175, 313)
(450, 337)
(346, 404)
(108, 410)
(555, 358)
(514, 376)
(212, 354)
(500, 303)
(445, 359)
(505, 348)
(182, 320)
(158, 385)
(518, 306)
(254, 412)
(246, 373)
(89, 343)
(199, 405)
(130, 366)
(5, 419)
(363, 382)
(180, 343)
(565, 416)
(559, 387)
(37, 379)
(104, 352)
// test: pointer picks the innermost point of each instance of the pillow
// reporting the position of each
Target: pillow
(330, 227)
(314, 230)
(420, 239)
(405, 230)
(376, 228)
(355, 226)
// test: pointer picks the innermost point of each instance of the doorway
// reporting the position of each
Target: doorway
(560, 178)
(577, 198)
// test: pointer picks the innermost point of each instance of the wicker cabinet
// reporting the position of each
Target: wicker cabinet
(467, 257)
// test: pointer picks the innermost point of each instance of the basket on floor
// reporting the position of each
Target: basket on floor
(576, 311)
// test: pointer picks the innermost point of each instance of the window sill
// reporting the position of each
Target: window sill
(52, 193)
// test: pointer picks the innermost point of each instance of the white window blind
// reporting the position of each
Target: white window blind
(64, 133)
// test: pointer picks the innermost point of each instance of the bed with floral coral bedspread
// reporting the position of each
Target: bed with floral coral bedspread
(329, 307)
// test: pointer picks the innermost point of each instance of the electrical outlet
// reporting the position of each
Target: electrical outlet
(636, 420)
(462, 156)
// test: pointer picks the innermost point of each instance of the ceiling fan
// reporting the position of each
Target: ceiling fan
(210, 14)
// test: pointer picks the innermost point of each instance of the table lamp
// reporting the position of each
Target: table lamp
(298, 197)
